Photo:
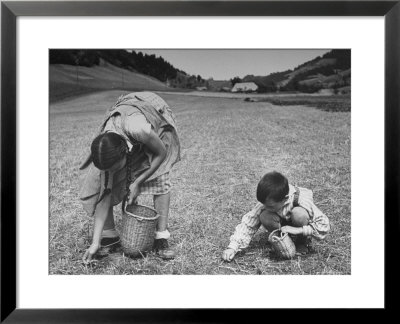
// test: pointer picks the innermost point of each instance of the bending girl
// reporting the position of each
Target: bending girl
(133, 154)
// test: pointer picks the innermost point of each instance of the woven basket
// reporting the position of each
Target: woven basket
(282, 244)
(138, 229)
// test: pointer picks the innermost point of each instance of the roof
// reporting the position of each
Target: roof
(245, 84)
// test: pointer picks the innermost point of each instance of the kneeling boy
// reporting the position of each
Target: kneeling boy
(281, 205)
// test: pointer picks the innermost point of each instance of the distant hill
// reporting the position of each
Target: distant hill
(67, 80)
(73, 72)
(330, 72)
(150, 65)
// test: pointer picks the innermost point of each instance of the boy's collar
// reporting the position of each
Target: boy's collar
(292, 191)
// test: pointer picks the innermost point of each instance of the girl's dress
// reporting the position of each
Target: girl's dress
(132, 117)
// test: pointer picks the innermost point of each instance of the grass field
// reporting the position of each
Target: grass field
(227, 145)
(326, 103)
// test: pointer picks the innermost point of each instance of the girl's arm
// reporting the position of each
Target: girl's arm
(156, 146)
(100, 216)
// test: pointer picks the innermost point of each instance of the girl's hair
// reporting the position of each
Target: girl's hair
(107, 149)
(272, 185)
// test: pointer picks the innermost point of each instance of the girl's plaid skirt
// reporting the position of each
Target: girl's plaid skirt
(158, 186)
(92, 188)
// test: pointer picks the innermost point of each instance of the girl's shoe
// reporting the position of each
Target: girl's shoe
(109, 245)
(110, 241)
(162, 249)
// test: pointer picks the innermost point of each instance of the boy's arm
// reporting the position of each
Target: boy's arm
(319, 225)
(246, 229)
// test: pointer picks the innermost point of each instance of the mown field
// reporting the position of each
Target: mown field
(227, 145)
(332, 103)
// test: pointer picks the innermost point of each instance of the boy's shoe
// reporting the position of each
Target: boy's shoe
(162, 249)
(302, 249)
(302, 245)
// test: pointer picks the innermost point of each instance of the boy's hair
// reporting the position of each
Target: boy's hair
(273, 185)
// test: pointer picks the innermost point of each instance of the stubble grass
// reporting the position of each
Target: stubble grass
(227, 145)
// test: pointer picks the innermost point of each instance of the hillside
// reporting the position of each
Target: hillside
(74, 72)
(69, 80)
(331, 73)
(150, 65)
(78, 71)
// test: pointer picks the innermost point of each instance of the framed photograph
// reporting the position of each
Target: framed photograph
(283, 117)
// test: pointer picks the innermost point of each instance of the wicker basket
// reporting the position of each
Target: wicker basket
(282, 244)
(138, 229)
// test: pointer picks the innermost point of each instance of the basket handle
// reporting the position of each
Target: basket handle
(125, 199)
(276, 238)
(140, 218)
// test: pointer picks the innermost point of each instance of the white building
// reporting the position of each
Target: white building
(245, 87)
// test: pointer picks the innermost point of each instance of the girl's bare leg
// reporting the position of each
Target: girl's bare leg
(161, 204)
(109, 235)
(109, 222)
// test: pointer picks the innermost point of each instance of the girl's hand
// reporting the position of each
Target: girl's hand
(291, 230)
(133, 193)
(90, 252)
(228, 255)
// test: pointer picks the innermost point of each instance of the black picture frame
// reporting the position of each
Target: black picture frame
(10, 11)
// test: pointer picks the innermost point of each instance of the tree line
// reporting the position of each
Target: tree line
(150, 65)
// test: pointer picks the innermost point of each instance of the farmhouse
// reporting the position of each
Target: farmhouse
(201, 88)
(245, 87)
(225, 89)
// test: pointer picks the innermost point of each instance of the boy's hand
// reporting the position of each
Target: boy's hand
(228, 254)
(90, 252)
(292, 230)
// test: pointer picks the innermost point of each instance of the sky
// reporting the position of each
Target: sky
(228, 63)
